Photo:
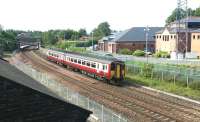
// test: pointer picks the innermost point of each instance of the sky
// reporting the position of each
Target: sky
(75, 14)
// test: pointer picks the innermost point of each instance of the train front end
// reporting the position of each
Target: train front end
(118, 71)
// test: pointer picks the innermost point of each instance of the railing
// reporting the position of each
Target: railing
(100, 112)
(183, 76)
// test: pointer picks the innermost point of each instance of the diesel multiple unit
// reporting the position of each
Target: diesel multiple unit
(109, 69)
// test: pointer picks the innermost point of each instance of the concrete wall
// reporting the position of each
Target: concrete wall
(195, 43)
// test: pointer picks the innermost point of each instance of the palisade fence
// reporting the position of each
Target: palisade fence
(101, 113)
(186, 77)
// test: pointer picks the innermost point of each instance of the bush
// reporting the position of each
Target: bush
(147, 70)
(125, 51)
(195, 85)
(139, 53)
(162, 54)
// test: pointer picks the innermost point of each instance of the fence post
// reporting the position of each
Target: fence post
(102, 113)
(174, 79)
(152, 74)
(187, 81)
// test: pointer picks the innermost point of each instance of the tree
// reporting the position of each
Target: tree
(82, 32)
(173, 16)
(197, 12)
(102, 30)
(182, 14)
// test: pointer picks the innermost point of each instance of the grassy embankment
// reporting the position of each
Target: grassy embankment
(164, 85)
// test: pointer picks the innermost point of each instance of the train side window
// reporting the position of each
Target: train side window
(71, 59)
(105, 67)
(75, 60)
(79, 61)
(83, 62)
(88, 63)
(93, 65)
(97, 66)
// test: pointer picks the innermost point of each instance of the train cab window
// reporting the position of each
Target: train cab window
(75, 60)
(93, 65)
(112, 66)
(88, 63)
(79, 61)
(83, 62)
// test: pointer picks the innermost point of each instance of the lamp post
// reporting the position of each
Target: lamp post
(146, 37)
(92, 42)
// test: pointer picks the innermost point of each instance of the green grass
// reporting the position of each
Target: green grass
(165, 86)
(7, 54)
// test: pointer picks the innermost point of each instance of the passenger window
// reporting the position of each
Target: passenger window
(93, 65)
(79, 61)
(83, 62)
(75, 60)
(105, 67)
(97, 66)
(71, 59)
(88, 63)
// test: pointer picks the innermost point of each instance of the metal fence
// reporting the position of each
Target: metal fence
(178, 75)
(100, 112)
(154, 60)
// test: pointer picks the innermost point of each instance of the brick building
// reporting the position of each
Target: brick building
(132, 39)
(171, 40)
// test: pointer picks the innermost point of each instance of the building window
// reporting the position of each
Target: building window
(174, 36)
(198, 36)
(160, 37)
(193, 36)
(163, 38)
(133, 44)
(171, 37)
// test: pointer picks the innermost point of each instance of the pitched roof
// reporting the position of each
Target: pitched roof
(136, 34)
(190, 19)
(174, 30)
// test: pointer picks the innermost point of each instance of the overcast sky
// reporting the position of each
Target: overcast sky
(63, 14)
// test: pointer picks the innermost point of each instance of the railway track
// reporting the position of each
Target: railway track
(132, 102)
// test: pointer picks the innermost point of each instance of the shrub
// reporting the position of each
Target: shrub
(125, 51)
(139, 53)
(162, 54)
(147, 70)
(195, 85)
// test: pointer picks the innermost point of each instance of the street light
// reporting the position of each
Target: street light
(92, 42)
(146, 36)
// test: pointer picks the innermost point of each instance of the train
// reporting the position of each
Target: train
(100, 67)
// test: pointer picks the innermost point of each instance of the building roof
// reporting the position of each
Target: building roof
(136, 34)
(174, 30)
(24, 99)
(196, 31)
(190, 19)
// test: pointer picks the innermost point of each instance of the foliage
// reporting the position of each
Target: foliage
(162, 54)
(82, 32)
(182, 14)
(102, 30)
(195, 85)
(77, 49)
(165, 86)
(147, 70)
(125, 51)
(138, 53)
(8, 40)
